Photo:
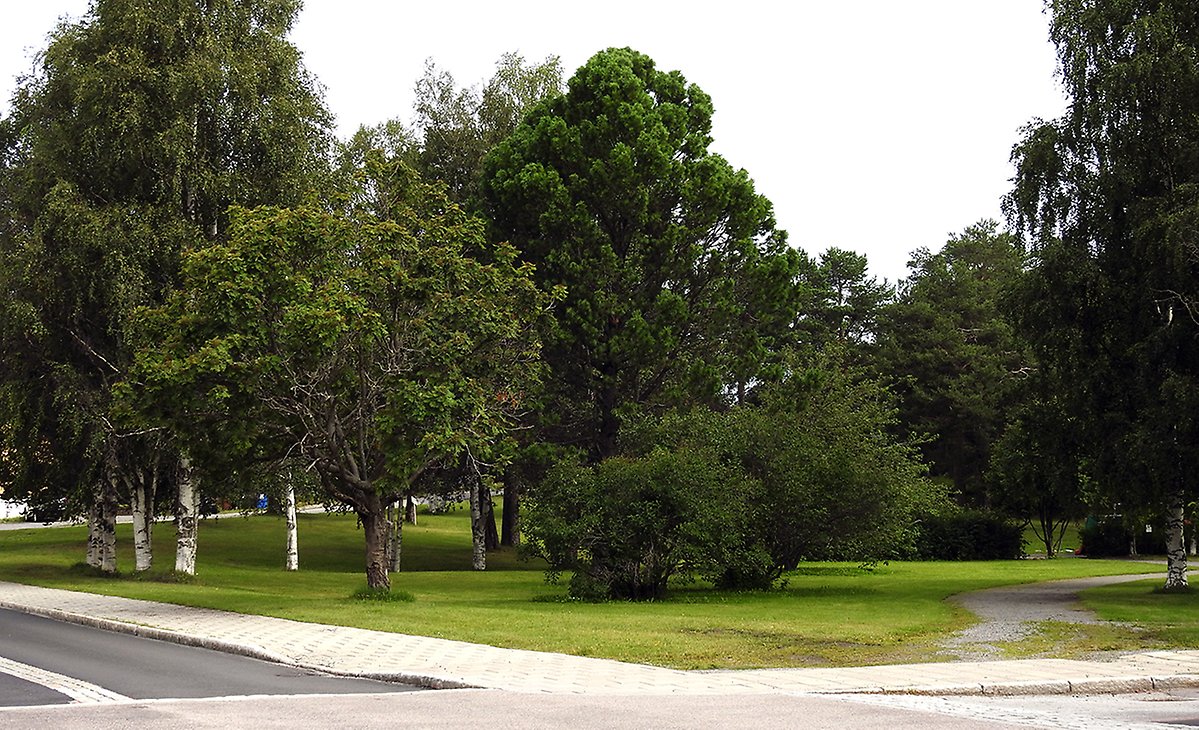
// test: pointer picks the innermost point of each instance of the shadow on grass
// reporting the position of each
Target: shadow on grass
(35, 572)
(1178, 591)
(706, 595)
(382, 595)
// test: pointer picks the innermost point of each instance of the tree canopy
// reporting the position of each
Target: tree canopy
(1108, 195)
(955, 358)
(677, 280)
(374, 349)
(142, 123)
(458, 126)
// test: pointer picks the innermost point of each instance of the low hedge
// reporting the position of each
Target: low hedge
(969, 535)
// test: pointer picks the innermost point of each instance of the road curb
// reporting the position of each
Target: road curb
(1016, 688)
(251, 651)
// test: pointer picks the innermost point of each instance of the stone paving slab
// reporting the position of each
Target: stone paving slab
(443, 663)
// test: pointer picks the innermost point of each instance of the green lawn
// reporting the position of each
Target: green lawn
(828, 614)
(1167, 619)
(1070, 542)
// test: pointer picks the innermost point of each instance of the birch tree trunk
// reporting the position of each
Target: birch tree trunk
(108, 527)
(293, 542)
(143, 492)
(397, 536)
(410, 510)
(102, 527)
(186, 519)
(93, 534)
(141, 503)
(1176, 554)
(478, 530)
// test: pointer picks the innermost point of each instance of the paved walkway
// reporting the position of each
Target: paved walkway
(444, 663)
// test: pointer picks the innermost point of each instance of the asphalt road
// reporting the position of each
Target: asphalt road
(139, 668)
(15, 692)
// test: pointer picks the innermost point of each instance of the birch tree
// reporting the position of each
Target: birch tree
(458, 126)
(1108, 196)
(292, 559)
(139, 126)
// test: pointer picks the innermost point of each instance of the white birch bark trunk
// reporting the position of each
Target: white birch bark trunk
(410, 511)
(293, 536)
(478, 530)
(186, 519)
(397, 536)
(1176, 554)
(141, 503)
(93, 533)
(102, 528)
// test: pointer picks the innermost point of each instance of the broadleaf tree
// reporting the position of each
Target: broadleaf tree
(1108, 195)
(141, 123)
(458, 126)
(374, 349)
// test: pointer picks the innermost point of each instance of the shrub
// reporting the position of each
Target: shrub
(824, 479)
(807, 472)
(1112, 538)
(969, 535)
(627, 525)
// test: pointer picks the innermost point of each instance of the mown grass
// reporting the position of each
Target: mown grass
(1070, 541)
(1161, 619)
(1059, 639)
(828, 614)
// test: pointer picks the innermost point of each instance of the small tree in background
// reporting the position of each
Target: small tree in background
(1038, 466)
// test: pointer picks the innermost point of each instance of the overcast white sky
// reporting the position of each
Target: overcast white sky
(874, 125)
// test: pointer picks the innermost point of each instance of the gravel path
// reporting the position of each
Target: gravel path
(1010, 613)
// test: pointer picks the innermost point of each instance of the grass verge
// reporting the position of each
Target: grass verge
(829, 613)
(1161, 619)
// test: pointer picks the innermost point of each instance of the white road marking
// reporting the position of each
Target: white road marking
(80, 692)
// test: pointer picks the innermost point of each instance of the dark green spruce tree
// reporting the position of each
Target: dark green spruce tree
(953, 355)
